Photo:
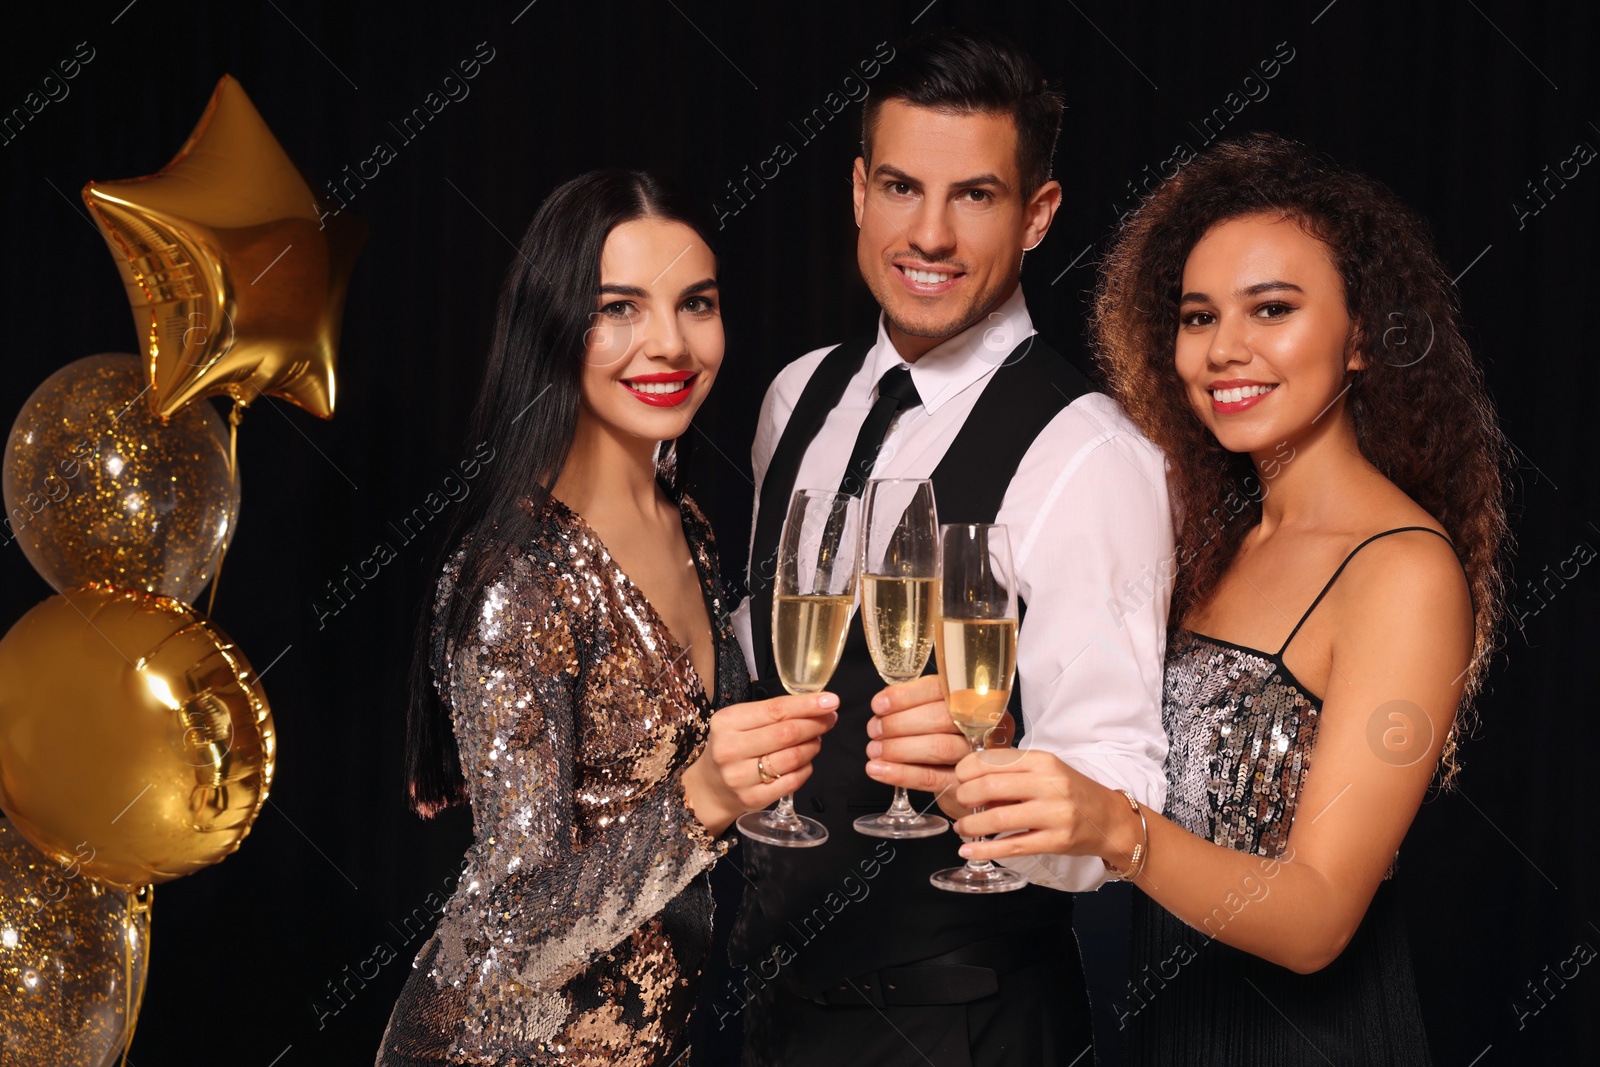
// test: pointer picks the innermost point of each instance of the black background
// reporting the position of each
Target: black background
(1456, 105)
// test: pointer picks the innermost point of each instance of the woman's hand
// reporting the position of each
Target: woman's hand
(915, 743)
(725, 782)
(1058, 809)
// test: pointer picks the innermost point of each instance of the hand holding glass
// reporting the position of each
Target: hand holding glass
(814, 594)
(899, 587)
(977, 654)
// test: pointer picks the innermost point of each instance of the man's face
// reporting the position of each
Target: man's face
(943, 222)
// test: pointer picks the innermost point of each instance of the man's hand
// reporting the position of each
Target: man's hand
(914, 743)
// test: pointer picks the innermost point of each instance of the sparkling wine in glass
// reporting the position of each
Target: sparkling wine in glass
(899, 610)
(814, 593)
(976, 648)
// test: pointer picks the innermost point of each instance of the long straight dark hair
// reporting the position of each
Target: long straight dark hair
(527, 410)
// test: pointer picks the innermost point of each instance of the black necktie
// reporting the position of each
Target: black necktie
(896, 393)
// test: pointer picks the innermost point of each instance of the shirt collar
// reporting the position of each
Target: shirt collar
(963, 360)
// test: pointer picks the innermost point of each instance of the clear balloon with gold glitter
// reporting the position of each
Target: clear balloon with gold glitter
(99, 488)
(135, 741)
(72, 961)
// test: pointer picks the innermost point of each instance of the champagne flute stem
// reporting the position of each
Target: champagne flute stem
(783, 814)
(980, 866)
(900, 807)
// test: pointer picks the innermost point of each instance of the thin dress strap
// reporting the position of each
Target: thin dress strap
(1347, 559)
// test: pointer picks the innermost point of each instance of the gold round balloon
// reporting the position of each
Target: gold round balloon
(235, 270)
(99, 489)
(72, 961)
(132, 729)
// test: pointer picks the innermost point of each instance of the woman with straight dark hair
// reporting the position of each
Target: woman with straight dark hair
(1284, 330)
(577, 681)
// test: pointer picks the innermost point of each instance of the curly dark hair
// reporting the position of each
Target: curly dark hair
(1422, 415)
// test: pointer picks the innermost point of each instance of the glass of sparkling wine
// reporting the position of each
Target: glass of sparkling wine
(814, 595)
(976, 648)
(899, 587)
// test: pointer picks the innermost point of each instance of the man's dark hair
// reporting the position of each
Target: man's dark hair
(974, 70)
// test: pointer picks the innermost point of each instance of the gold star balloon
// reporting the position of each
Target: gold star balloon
(236, 271)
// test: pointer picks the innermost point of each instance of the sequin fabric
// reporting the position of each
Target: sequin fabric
(582, 920)
(1241, 730)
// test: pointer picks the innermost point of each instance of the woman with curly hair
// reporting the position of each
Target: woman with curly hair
(1284, 330)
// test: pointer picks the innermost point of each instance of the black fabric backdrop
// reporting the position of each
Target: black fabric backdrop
(1458, 106)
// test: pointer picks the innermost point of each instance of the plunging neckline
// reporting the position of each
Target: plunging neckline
(678, 652)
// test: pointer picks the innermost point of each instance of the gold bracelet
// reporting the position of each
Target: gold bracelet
(1141, 851)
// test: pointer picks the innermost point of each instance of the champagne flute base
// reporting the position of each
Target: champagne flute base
(988, 879)
(797, 831)
(901, 827)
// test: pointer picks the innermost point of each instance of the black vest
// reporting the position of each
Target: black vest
(857, 903)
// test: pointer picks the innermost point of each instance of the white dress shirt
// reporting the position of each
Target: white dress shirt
(1090, 531)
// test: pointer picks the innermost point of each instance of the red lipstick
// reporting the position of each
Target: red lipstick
(662, 400)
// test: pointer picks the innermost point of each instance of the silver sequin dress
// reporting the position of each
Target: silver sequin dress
(1242, 733)
(582, 920)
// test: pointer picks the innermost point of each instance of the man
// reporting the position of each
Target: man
(850, 955)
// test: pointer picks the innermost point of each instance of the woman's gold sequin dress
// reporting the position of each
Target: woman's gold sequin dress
(583, 918)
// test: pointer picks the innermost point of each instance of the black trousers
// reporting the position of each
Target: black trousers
(1039, 1018)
